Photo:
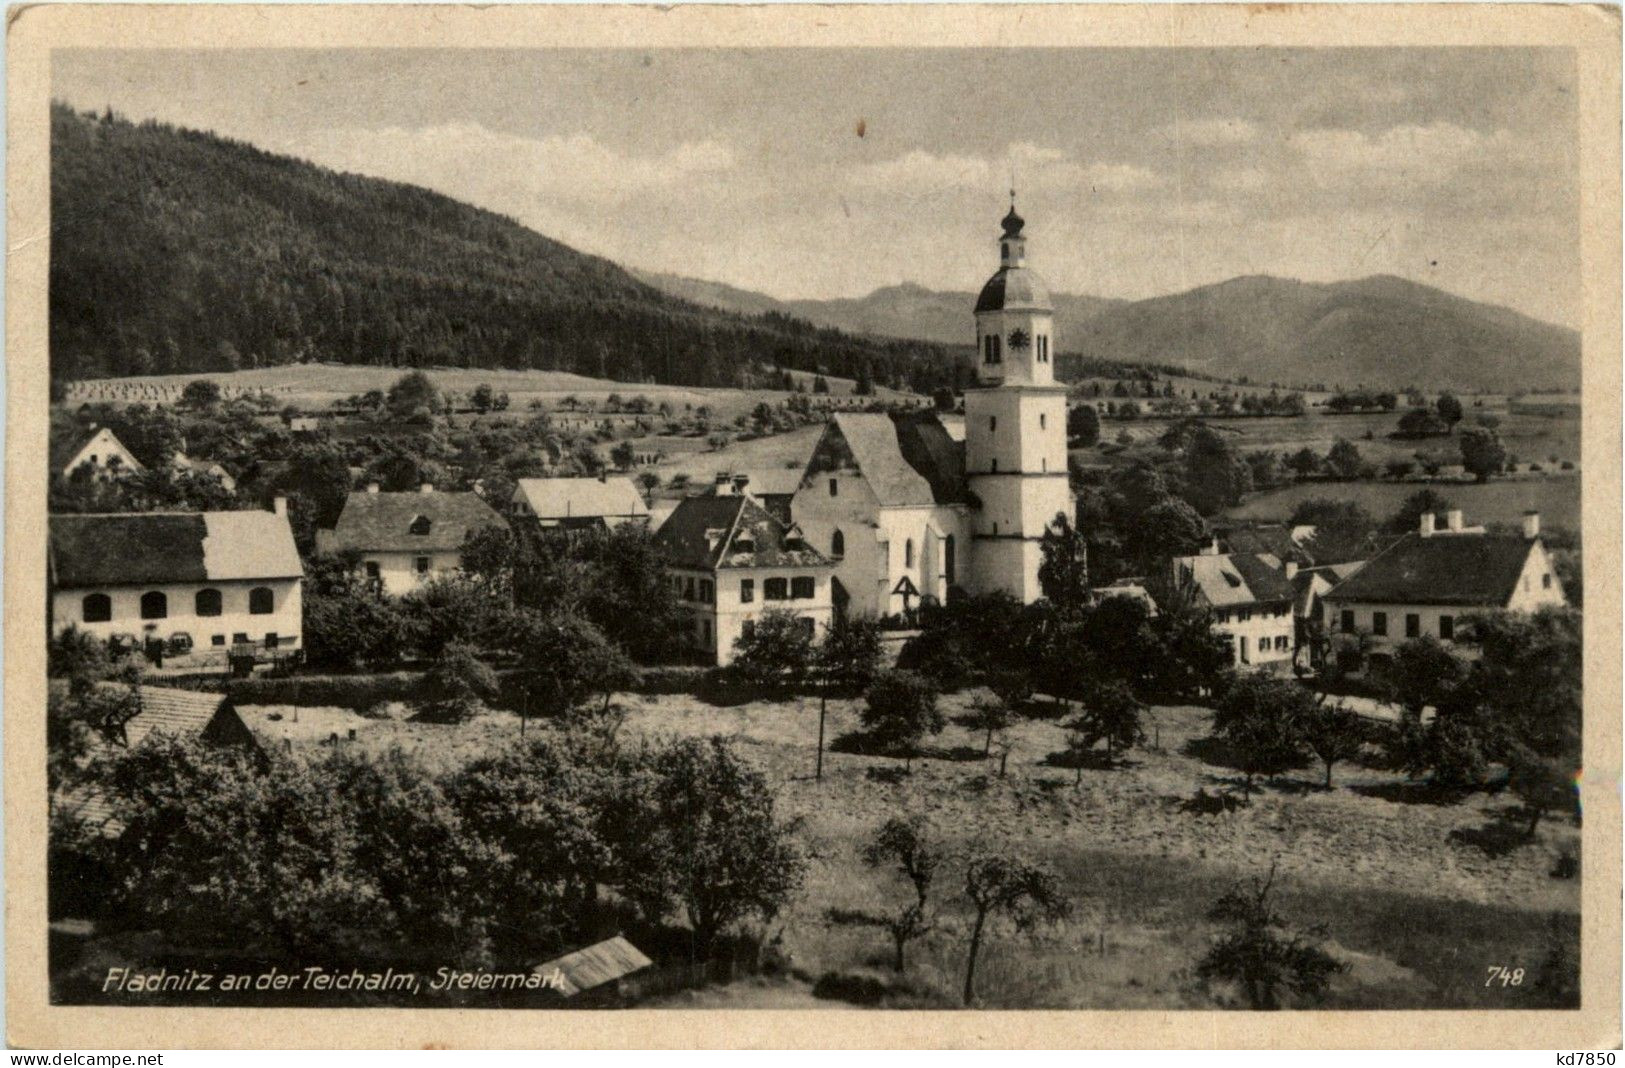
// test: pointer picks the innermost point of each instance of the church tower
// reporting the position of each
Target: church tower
(1015, 423)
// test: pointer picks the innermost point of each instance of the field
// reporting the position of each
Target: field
(1418, 897)
(1556, 499)
(316, 386)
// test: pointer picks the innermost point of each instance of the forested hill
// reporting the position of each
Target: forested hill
(176, 251)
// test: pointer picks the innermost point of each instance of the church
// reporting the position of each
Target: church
(907, 508)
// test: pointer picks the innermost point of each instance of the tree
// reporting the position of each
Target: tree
(999, 883)
(777, 652)
(454, 608)
(487, 555)
(1449, 409)
(1482, 453)
(1263, 718)
(1343, 460)
(1304, 462)
(1111, 713)
(1414, 507)
(901, 843)
(1215, 477)
(201, 394)
(624, 455)
(709, 842)
(1333, 734)
(846, 660)
(1063, 570)
(457, 685)
(348, 622)
(1424, 673)
(991, 714)
(1422, 423)
(564, 660)
(412, 391)
(1169, 528)
(1082, 426)
(820, 384)
(900, 710)
(1261, 955)
(482, 398)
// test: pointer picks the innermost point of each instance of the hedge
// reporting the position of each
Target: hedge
(342, 691)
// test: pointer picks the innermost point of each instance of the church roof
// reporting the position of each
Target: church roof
(909, 461)
(1014, 288)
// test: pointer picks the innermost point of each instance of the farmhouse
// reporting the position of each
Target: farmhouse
(406, 539)
(730, 560)
(577, 503)
(1310, 586)
(1425, 582)
(178, 582)
(95, 448)
(1251, 597)
(180, 463)
(908, 509)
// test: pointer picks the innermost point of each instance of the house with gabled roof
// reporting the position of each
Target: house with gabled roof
(1251, 597)
(570, 504)
(179, 583)
(94, 448)
(402, 540)
(1424, 583)
(730, 560)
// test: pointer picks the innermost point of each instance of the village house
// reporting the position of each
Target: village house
(96, 448)
(179, 583)
(730, 560)
(403, 540)
(1428, 580)
(1251, 597)
(181, 463)
(572, 504)
(1310, 586)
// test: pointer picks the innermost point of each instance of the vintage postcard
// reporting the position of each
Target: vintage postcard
(815, 526)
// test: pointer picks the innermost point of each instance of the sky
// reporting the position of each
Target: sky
(818, 173)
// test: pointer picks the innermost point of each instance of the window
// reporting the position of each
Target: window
(1413, 625)
(833, 487)
(747, 629)
(420, 525)
(1043, 420)
(992, 423)
(1222, 615)
(270, 639)
(421, 565)
(1244, 615)
(990, 349)
(1546, 582)
(806, 626)
(801, 588)
(688, 588)
(239, 638)
(96, 608)
(707, 592)
(1004, 248)
(1280, 643)
(837, 543)
(993, 464)
(1379, 624)
(908, 553)
(948, 560)
(776, 589)
(207, 603)
(1243, 647)
(218, 640)
(261, 602)
(372, 570)
(154, 605)
(747, 592)
(1447, 627)
(1347, 624)
(705, 631)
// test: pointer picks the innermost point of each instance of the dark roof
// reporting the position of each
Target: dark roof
(1453, 569)
(1267, 583)
(1235, 580)
(144, 548)
(907, 461)
(1275, 540)
(382, 522)
(1013, 287)
(1012, 222)
(706, 533)
(928, 447)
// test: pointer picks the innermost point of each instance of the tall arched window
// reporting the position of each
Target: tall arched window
(908, 553)
(948, 558)
(837, 543)
(208, 602)
(261, 602)
(96, 608)
(154, 605)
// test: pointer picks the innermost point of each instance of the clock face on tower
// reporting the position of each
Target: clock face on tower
(1019, 339)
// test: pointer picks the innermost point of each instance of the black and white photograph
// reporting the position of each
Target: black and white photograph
(746, 528)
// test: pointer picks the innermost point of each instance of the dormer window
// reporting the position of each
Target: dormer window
(420, 526)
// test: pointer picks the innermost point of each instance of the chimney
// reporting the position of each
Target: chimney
(426, 487)
(279, 505)
(724, 485)
(372, 487)
(1291, 570)
(1428, 520)
(1212, 547)
(740, 482)
(1452, 520)
(1531, 526)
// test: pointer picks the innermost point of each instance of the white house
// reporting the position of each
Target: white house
(405, 539)
(1251, 598)
(97, 448)
(1426, 581)
(577, 503)
(910, 506)
(192, 582)
(730, 560)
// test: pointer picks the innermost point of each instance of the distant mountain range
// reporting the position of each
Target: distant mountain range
(1380, 331)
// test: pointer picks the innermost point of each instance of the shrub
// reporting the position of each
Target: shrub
(901, 710)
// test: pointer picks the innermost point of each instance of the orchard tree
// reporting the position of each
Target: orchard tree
(900, 710)
(1449, 409)
(997, 883)
(201, 394)
(1063, 570)
(845, 661)
(1261, 955)
(1343, 460)
(1111, 713)
(776, 653)
(1333, 734)
(1262, 718)
(564, 660)
(457, 685)
(1482, 453)
(1082, 426)
(902, 845)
